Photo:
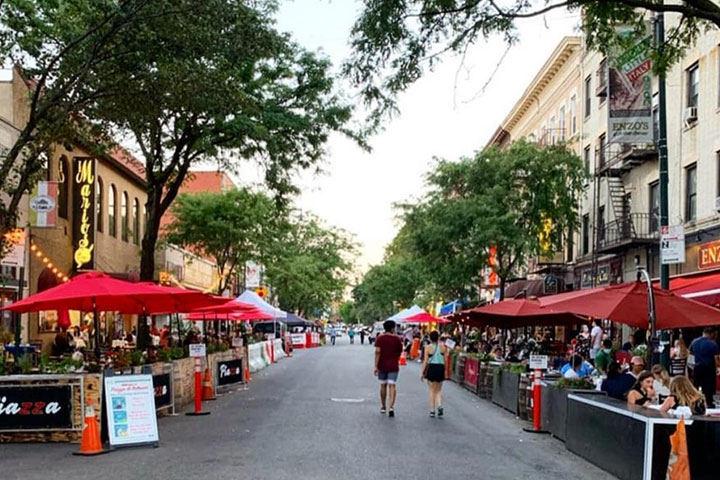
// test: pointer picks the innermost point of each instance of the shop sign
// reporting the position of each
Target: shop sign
(602, 277)
(24, 407)
(550, 285)
(472, 371)
(163, 390)
(230, 372)
(709, 255)
(298, 338)
(538, 362)
(672, 244)
(130, 403)
(630, 90)
(83, 186)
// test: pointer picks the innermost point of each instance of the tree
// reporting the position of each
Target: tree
(232, 228)
(56, 47)
(394, 43)
(214, 81)
(346, 312)
(521, 202)
(311, 268)
(386, 287)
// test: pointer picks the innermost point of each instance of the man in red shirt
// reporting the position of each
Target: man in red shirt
(388, 348)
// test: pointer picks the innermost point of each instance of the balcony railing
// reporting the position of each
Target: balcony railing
(631, 230)
(551, 136)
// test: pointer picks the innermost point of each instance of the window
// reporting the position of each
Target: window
(601, 223)
(601, 151)
(562, 124)
(693, 85)
(717, 162)
(571, 246)
(124, 214)
(602, 80)
(553, 130)
(136, 222)
(691, 193)
(654, 207)
(573, 120)
(64, 175)
(112, 224)
(588, 96)
(99, 189)
(587, 159)
(585, 234)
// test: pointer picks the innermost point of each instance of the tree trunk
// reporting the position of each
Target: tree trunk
(502, 288)
(150, 237)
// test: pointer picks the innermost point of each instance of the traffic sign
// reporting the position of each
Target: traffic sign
(672, 244)
(538, 362)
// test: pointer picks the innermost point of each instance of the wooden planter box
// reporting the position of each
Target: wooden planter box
(525, 395)
(505, 390)
(486, 380)
(458, 369)
(554, 408)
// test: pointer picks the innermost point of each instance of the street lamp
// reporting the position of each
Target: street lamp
(642, 275)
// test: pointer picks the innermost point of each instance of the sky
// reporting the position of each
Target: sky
(446, 114)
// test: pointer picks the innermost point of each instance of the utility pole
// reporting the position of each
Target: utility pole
(663, 180)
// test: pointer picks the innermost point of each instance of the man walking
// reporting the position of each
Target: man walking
(596, 339)
(388, 348)
(333, 334)
(362, 336)
(707, 360)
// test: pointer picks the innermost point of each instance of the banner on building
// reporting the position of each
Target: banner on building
(630, 91)
(83, 187)
(15, 241)
(43, 204)
(253, 274)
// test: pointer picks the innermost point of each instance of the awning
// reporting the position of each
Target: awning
(450, 308)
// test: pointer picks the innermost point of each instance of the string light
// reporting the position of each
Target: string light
(48, 264)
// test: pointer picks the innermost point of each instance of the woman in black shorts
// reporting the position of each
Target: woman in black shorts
(434, 358)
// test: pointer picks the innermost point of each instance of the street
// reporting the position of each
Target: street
(316, 416)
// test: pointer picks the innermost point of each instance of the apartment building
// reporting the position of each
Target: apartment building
(619, 214)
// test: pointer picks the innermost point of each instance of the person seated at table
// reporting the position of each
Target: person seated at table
(662, 381)
(617, 384)
(586, 369)
(604, 356)
(512, 356)
(575, 364)
(130, 338)
(642, 393)
(61, 344)
(684, 394)
(496, 354)
(630, 344)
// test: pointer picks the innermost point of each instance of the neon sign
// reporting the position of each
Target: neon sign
(83, 213)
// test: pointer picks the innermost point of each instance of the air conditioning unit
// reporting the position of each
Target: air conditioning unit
(717, 204)
(690, 115)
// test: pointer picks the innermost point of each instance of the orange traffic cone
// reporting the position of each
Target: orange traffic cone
(208, 392)
(247, 373)
(90, 443)
(403, 359)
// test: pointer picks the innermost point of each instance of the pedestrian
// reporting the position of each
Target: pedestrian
(707, 360)
(434, 357)
(362, 336)
(596, 339)
(351, 334)
(388, 348)
(333, 334)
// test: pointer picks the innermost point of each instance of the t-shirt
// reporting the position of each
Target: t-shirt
(390, 347)
(602, 360)
(570, 373)
(596, 336)
(619, 386)
(704, 350)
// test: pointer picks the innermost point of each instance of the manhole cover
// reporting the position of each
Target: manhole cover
(347, 400)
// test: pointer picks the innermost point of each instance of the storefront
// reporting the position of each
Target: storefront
(604, 271)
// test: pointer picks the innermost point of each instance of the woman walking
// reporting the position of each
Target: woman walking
(434, 357)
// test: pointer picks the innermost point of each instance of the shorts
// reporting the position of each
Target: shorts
(435, 372)
(388, 377)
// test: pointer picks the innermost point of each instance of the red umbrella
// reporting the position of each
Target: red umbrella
(180, 300)
(232, 306)
(517, 313)
(63, 320)
(628, 304)
(423, 317)
(704, 289)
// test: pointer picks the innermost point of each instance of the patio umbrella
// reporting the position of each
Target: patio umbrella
(231, 306)
(704, 290)
(523, 312)
(180, 300)
(423, 317)
(628, 304)
(250, 315)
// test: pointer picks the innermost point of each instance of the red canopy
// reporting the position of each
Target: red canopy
(231, 306)
(704, 289)
(423, 317)
(180, 300)
(519, 313)
(235, 316)
(88, 291)
(628, 304)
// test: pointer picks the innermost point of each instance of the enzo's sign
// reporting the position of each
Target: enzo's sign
(630, 92)
(35, 408)
(83, 184)
(709, 255)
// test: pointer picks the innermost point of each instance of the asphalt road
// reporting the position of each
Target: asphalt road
(316, 416)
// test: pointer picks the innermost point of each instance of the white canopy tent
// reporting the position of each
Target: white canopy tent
(248, 296)
(408, 312)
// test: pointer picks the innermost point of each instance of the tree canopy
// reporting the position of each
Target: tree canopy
(232, 228)
(395, 43)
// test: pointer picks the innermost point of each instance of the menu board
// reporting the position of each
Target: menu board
(130, 401)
